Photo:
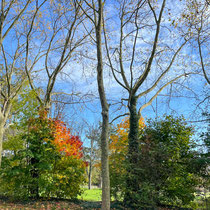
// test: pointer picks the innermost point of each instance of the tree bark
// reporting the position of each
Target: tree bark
(133, 156)
(91, 164)
(3, 118)
(89, 176)
(105, 115)
(105, 163)
(1, 136)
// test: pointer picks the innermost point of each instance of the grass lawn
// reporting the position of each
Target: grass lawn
(90, 199)
(91, 195)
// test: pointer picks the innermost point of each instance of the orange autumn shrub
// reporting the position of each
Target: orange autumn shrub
(65, 142)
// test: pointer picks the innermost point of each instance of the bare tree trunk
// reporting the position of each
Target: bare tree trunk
(91, 164)
(89, 176)
(105, 116)
(3, 118)
(105, 163)
(1, 136)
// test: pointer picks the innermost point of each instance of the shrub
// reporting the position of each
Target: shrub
(164, 172)
(48, 165)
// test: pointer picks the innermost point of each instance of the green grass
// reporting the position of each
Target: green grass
(91, 195)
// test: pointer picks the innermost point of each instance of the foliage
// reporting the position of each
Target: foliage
(96, 175)
(48, 165)
(165, 176)
(118, 148)
(65, 142)
(23, 107)
(165, 156)
(201, 158)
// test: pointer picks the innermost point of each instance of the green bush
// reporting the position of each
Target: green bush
(164, 171)
(65, 179)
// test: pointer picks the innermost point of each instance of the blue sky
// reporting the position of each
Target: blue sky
(182, 100)
(80, 75)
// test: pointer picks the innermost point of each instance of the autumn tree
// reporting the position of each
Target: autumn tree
(141, 59)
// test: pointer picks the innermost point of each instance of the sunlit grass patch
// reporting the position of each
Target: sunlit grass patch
(91, 195)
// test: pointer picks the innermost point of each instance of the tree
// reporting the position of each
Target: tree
(23, 107)
(62, 36)
(12, 75)
(48, 164)
(201, 158)
(97, 20)
(140, 64)
(196, 19)
(91, 153)
(118, 147)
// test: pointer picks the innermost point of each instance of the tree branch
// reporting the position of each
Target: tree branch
(151, 100)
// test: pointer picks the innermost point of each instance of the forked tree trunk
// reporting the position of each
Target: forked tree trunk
(133, 156)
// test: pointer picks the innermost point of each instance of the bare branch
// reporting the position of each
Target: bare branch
(155, 16)
(149, 64)
(68, 94)
(164, 73)
(109, 58)
(163, 87)
(85, 12)
(201, 58)
(122, 115)
(16, 19)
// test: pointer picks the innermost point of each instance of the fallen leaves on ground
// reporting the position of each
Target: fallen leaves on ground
(42, 205)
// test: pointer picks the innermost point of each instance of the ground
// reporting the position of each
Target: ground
(90, 199)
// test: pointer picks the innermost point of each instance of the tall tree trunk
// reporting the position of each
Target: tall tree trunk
(105, 116)
(133, 156)
(3, 118)
(1, 136)
(89, 176)
(105, 162)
